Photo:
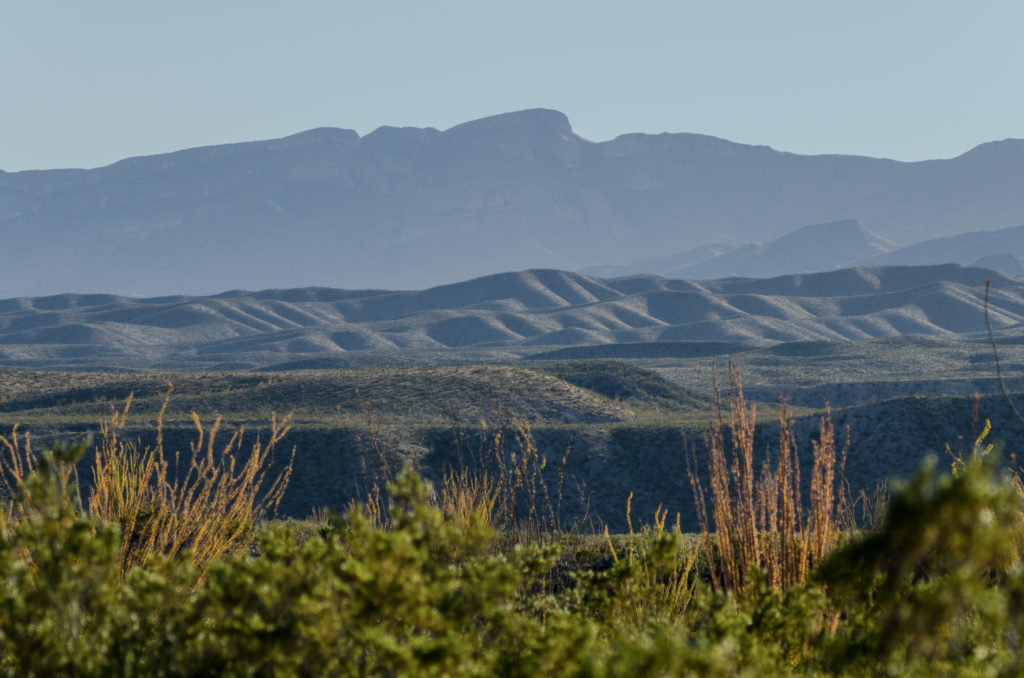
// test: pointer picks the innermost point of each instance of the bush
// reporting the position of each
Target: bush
(937, 588)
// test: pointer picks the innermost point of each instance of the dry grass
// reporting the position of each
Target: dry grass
(667, 563)
(18, 462)
(503, 483)
(758, 519)
(470, 498)
(205, 507)
(498, 481)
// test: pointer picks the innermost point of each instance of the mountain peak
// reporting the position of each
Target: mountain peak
(841, 233)
(531, 118)
(400, 135)
(320, 135)
(991, 149)
(1003, 262)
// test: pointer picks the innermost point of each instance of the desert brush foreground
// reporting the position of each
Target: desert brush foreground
(123, 557)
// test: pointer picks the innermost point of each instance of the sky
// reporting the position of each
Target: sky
(85, 84)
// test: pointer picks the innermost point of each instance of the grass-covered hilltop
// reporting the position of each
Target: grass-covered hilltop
(560, 516)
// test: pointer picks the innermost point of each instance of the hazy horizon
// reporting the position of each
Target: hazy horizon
(497, 113)
(98, 83)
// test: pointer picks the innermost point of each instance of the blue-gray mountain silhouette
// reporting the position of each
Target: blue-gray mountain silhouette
(821, 247)
(827, 247)
(411, 208)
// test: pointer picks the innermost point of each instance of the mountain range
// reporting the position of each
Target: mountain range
(410, 208)
(830, 246)
(522, 313)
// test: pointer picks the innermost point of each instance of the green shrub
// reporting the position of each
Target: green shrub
(937, 588)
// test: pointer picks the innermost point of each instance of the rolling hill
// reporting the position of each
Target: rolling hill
(520, 314)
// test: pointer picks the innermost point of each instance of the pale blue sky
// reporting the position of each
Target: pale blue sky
(87, 83)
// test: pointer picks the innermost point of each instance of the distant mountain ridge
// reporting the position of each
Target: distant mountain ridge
(831, 246)
(528, 312)
(412, 208)
(815, 248)
(1003, 248)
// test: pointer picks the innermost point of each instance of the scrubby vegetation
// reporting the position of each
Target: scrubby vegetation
(623, 381)
(167, 571)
